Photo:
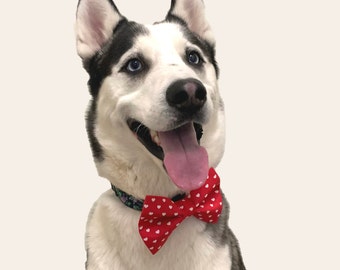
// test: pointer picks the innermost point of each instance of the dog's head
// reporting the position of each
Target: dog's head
(156, 112)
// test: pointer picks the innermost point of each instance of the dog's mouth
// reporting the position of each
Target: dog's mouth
(150, 138)
(185, 161)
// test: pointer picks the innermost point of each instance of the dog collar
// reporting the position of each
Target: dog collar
(135, 203)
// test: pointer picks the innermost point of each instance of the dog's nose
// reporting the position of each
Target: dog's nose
(187, 95)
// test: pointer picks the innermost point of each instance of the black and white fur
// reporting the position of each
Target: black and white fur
(124, 92)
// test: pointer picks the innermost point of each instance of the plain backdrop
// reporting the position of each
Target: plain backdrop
(280, 79)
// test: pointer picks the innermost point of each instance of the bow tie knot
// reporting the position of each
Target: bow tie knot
(160, 215)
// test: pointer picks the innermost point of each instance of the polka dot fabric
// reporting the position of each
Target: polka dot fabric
(160, 215)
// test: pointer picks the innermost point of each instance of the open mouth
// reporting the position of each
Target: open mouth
(150, 139)
(185, 161)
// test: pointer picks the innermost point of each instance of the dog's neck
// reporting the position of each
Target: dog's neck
(135, 203)
(136, 180)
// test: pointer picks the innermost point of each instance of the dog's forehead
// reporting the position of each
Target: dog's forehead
(163, 38)
(166, 42)
(163, 33)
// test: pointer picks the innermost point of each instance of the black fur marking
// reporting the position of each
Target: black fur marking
(219, 230)
(208, 49)
(205, 46)
(173, 4)
(236, 257)
(99, 67)
(222, 235)
(175, 19)
(91, 116)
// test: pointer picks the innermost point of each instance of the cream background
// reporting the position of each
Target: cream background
(280, 78)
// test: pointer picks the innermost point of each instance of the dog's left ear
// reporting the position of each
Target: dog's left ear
(192, 13)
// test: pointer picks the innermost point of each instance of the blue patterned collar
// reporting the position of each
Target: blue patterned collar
(127, 199)
(135, 203)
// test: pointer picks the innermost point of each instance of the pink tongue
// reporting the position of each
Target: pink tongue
(185, 161)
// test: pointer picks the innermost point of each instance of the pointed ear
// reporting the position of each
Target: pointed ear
(192, 12)
(96, 20)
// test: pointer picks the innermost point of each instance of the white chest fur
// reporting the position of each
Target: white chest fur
(113, 242)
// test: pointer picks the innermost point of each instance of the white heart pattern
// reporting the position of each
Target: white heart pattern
(160, 215)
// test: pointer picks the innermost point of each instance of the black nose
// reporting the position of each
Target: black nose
(188, 95)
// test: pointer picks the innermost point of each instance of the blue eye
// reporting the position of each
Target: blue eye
(134, 65)
(194, 58)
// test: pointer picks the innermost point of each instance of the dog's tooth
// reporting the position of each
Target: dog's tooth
(155, 138)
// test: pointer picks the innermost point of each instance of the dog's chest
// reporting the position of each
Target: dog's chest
(113, 242)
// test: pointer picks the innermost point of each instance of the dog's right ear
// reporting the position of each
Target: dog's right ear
(96, 20)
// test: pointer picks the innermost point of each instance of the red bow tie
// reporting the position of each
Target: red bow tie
(160, 215)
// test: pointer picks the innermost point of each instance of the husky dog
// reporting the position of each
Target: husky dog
(156, 125)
